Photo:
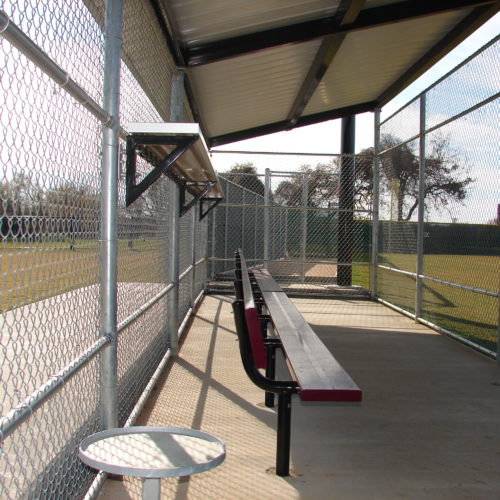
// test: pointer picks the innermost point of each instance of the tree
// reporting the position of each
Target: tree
(31, 210)
(446, 177)
(145, 215)
(21, 195)
(321, 183)
(245, 175)
(20, 201)
(71, 209)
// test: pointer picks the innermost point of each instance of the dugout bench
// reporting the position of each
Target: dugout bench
(262, 307)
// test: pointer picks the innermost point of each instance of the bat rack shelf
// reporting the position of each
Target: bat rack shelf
(178, 151)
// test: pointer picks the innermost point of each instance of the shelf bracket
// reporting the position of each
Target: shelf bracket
(183, 206)
(213, 202)
(134, 190)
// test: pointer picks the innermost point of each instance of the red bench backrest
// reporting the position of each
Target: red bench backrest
(252, 318)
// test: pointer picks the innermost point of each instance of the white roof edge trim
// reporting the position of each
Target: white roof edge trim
(165, 128)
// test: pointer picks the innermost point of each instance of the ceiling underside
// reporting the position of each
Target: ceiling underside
(262, 66)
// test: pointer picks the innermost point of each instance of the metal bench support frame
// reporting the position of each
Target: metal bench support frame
(284, 389)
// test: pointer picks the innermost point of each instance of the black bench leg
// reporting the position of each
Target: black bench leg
(270, 373)
(284, 425)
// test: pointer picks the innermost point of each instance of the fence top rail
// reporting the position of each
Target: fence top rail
(283, 153)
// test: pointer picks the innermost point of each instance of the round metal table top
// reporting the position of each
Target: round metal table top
(152, 452)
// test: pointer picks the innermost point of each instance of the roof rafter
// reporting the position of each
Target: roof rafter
(368, 18)
(347, 13)
(284, 125)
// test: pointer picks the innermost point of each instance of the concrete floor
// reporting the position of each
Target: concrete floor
(428, 426)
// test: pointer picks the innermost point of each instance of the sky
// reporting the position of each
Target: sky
(325, 137)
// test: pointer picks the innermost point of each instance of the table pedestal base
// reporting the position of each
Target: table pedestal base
(151, 489)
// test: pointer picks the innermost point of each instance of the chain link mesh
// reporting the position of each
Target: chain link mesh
(50, 192)
(475, 81)
(460, 224)
(401, 126)
(297, 235)
(68, 33)
(50, 188)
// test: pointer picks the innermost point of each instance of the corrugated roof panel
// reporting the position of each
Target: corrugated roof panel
(202, 21)
(368, 61)
(261, 82)
(247, 91)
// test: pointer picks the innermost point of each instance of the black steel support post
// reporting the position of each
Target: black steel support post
(284, 388)
(238, 284)
(271, 345)
(183, 206)
(212, 203)
(270, 373)
(238, 289)
(345, 239)
(284, 428)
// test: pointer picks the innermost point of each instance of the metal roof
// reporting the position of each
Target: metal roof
(262, 66)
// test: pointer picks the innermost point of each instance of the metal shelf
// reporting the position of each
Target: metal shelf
(179, 151)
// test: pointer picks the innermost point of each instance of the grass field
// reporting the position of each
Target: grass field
(38, 271)
(472, 315)
(480, 271)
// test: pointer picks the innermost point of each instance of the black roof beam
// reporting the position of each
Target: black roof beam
(167, 24)
(324, 57)
(457, 35)
(347, 13)
(210, 52)
(283, 125)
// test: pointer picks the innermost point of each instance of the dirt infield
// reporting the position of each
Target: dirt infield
(323, 271)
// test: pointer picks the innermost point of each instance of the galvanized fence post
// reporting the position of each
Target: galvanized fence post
(303, 235)
(206, 253)
(242, 233)
(213, 221)
(109, 201)
(267, 198)
(176, 114)
(193, 256)
(421, 211)
(256, 229)
(173, 266)
(204, 234)
(177, 97)
(226, 228)
(375, 205)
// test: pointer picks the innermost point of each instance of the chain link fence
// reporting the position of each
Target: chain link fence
(309, 225)
(439, 246)
(308, 219)
(51, 81)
